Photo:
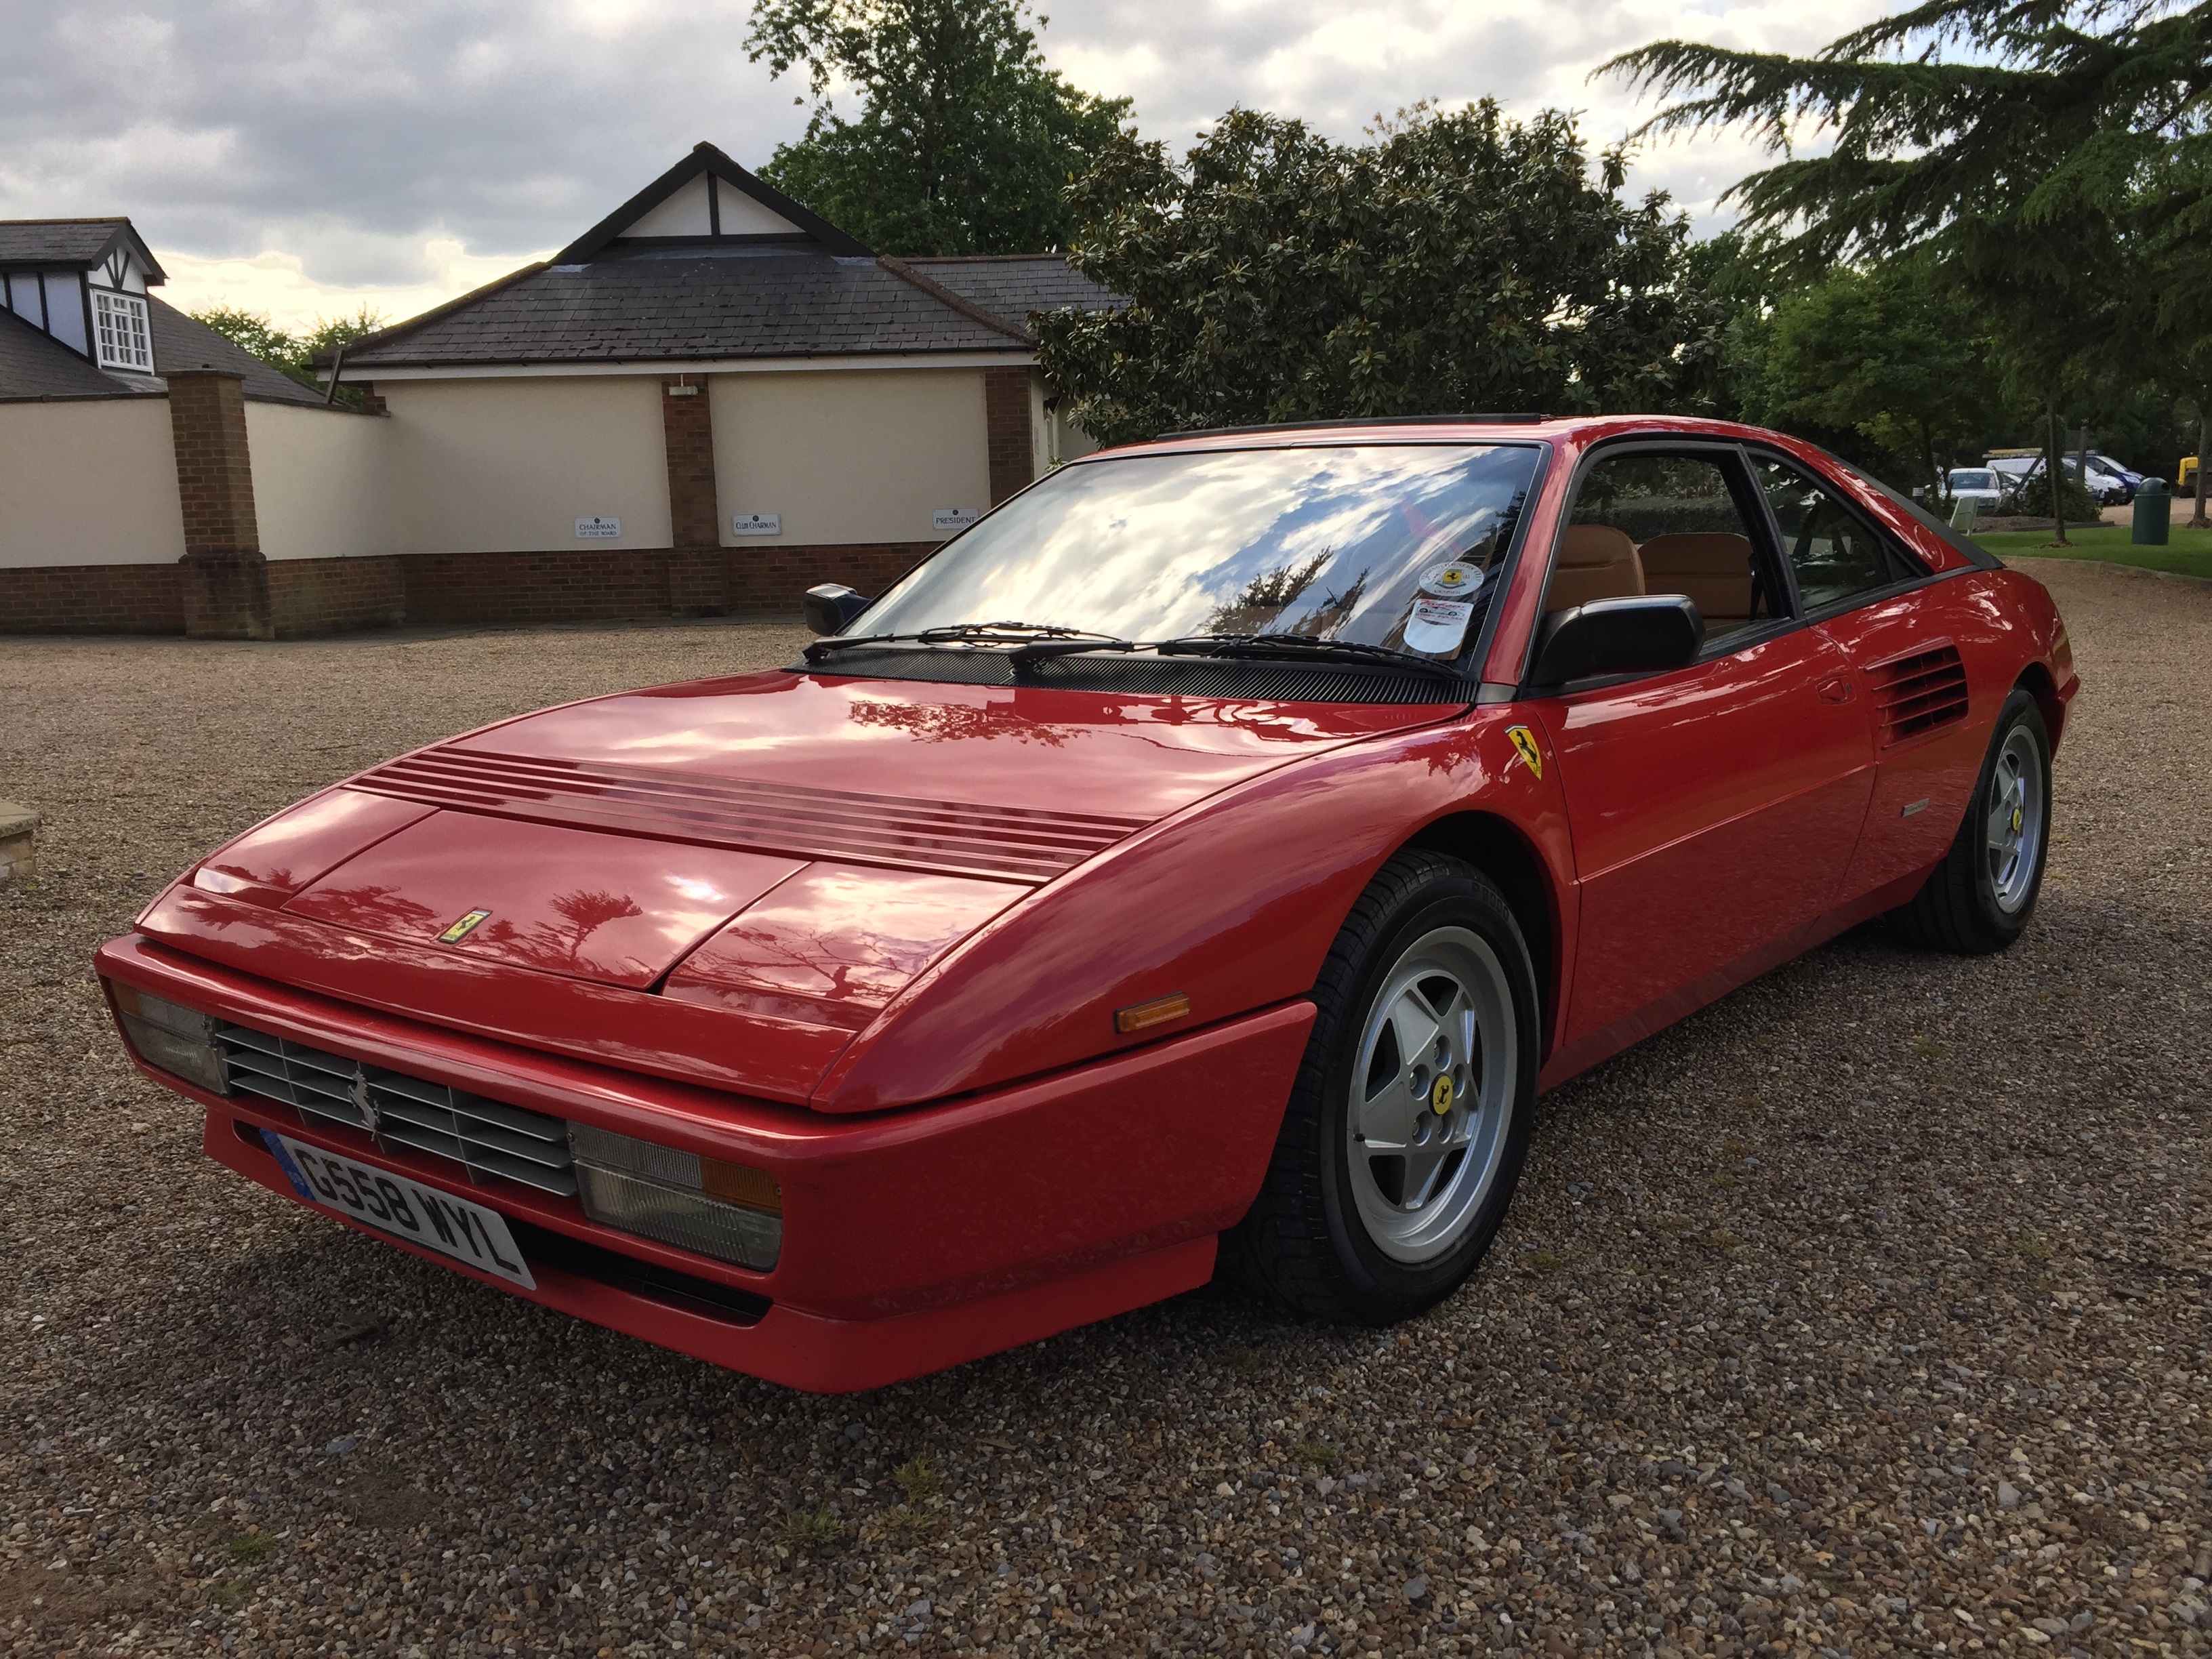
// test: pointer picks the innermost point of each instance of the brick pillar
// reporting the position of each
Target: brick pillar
(1007, 431)
(696, 584)
(226, 578)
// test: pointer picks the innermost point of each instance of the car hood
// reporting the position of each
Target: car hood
(1010, 781)
(785, 850)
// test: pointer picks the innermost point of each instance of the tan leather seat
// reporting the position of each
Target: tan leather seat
(1712, 567)
(1596, 561)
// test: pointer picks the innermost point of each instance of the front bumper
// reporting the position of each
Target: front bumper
(913, 1240)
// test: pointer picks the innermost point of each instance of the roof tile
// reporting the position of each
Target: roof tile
(700, 304)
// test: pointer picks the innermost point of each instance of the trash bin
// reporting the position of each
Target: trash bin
(2153, 510)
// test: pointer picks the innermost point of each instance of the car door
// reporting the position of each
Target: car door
(1715, 808)
(1908, 639)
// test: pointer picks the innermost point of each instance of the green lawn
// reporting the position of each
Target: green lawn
(2187, 553)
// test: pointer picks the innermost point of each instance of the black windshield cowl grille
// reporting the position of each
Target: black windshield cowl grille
(1918, 693)
(1241, 679)
(488, 1138)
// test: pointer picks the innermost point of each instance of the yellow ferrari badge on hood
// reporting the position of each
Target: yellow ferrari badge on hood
(1524, 742)
(461, 929)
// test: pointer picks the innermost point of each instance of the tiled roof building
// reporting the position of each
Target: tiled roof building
(707, 402)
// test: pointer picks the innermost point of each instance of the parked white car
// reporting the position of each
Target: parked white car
(2108, 484)
(1979, 484)
(2114, 485)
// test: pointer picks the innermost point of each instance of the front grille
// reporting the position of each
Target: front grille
(486, 1137)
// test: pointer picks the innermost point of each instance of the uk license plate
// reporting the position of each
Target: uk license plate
(393, 1204)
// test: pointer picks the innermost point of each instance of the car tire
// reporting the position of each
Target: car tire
(1979, 899)
(1375, 1206)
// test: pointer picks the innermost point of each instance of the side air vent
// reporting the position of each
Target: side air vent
(1918, 693)
(484, 1137)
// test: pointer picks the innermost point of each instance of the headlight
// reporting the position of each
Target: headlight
(728, 1211)
(178, 1040)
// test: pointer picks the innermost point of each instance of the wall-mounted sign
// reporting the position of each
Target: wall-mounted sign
(599, 530)
(757, 524)
(947, 519)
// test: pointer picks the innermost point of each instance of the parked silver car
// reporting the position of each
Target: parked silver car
(1981, 485)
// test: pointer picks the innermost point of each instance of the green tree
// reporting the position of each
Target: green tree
(1893, 355)
(294, 355)
(253, 331)
(965, 142)
(1459, 261)
(2175, 304)
(2003, 140)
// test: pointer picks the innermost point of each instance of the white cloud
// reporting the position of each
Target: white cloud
(278, 285)
(303, 156)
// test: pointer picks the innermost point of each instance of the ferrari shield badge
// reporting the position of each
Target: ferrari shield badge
(1524, 742)
(461, 929)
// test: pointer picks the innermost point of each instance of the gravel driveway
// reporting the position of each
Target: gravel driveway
(1866, 1311)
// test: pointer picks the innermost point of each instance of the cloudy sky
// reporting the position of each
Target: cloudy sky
(303, 157)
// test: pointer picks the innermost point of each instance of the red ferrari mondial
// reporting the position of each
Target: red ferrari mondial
(1202, 864)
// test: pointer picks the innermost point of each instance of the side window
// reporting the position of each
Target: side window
(1661, 524)
(1833, 556)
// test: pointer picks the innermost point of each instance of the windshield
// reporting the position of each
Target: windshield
(1393, 546)
(1969, 480)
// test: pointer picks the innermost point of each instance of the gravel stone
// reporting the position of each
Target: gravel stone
(1809, 1280)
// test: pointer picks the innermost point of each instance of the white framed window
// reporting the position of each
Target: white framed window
(119, 324)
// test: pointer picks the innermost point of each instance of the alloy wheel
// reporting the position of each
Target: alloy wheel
(1431, 1090)
(2013, 838)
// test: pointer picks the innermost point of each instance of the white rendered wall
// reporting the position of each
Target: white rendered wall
(90, 483)
(684, 214)
(509, 465)
(320, 489)
(744, 217)
(849, 456)
(687, 213)
(1053, 437)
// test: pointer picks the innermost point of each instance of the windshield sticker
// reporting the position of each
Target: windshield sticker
(1438, 625)
(1450, 581)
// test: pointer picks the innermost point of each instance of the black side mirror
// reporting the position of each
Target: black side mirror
(1645, 634)
(831, 606)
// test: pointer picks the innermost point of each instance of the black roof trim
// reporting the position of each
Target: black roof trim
(706, 158)
(1362, 419)
(750, 239)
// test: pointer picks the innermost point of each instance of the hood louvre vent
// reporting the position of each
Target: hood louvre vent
(1007, 844)
(1918, 693)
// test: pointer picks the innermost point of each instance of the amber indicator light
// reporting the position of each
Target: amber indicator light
(1158, 1012)
(737, 1184)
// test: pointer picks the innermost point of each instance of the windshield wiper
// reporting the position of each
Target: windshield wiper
(1030, 639)
(1300, 645)
(1036, 641)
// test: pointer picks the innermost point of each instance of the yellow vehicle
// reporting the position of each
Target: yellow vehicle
(2186, 478)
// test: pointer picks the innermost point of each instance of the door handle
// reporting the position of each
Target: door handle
(1838, 690)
